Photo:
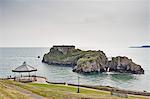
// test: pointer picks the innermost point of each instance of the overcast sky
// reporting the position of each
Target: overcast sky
(84, 23)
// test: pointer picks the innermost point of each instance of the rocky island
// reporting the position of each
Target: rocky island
(89, 61)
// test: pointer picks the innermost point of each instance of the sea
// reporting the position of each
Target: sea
(12, 57)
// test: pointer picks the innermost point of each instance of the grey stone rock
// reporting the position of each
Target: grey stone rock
(124, 65)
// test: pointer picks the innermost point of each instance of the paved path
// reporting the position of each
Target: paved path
(41, 80)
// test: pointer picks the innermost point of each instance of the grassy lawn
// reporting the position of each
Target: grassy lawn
(53, 91)
(69, 91)
(10, 93)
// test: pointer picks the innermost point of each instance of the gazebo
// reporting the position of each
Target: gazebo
(25, 68)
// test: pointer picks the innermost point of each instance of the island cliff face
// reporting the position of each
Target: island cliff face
(124, 65)
(92, 61)
(63, 55)
(89, 61)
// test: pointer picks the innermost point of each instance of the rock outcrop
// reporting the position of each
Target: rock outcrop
(92, 61)
(63, 55)
(124, 65)
(89, 61)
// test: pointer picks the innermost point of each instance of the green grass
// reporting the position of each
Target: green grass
(65, 88)
(56, 91)
(10, 93)
(83, 92)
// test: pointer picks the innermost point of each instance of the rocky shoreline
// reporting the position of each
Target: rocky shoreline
(90, 61)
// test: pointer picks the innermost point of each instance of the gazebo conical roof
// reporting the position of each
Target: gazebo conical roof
(24, 68)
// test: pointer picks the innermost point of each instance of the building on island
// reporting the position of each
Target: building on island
(64, 48)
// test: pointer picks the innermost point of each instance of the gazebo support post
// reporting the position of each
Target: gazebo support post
(19, 77)
(14, 76)
(29, 76)
(35, 76)
(35, 73)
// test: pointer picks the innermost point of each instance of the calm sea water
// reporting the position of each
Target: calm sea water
(10, 58)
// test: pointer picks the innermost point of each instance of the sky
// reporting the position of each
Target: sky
(83, 23)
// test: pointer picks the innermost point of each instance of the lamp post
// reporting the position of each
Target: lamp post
(78, 85)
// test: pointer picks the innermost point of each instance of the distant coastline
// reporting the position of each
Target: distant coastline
(144, 46)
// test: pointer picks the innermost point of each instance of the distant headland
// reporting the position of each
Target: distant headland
(144, 46)
(89, 61)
